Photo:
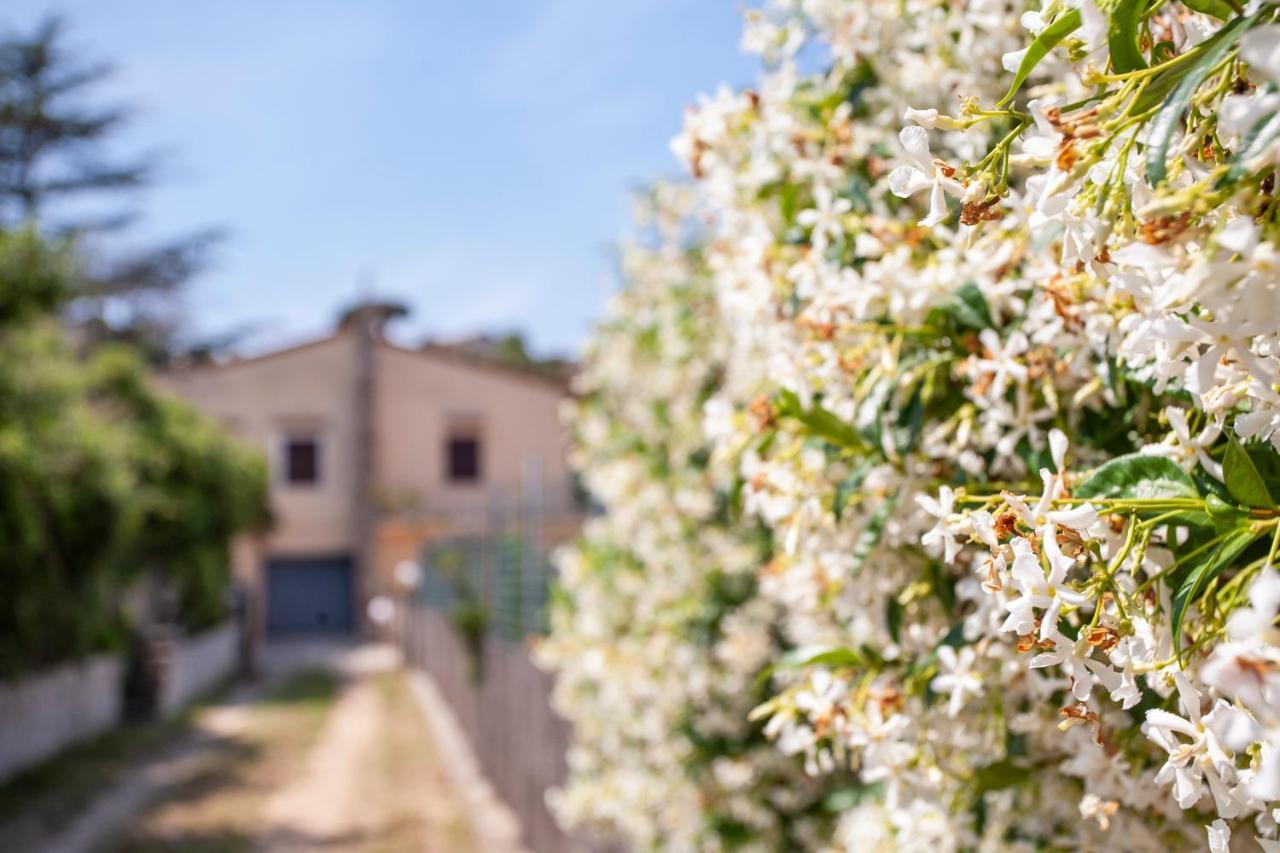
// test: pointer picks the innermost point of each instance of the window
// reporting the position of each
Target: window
(464, 459)
(302, 460)
(462, 452)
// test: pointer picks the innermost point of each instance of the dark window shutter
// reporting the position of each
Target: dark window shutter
(463, 459)
(302, 461)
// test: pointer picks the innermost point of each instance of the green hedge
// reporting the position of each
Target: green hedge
(102, 479)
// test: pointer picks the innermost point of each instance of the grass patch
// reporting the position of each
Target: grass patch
(213, 842)
(315, 687)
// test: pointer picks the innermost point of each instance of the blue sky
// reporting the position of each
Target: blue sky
(471, 159)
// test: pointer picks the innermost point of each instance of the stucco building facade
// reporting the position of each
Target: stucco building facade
(375, 450)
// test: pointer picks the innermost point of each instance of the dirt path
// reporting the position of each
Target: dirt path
(400, 799)
(353, 767)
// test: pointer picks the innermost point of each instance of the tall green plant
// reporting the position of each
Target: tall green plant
(194, 488)
(102, 478)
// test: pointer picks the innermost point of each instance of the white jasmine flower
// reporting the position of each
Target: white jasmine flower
(1195, 755)
(824, 218)
(1219, 836)
(1260, 48)
(957, 677)
(1039, 591)
(1186, 449)
(1042, 517)
(926, 173)
(1083, 671)
(942, 509)
(1000, 360)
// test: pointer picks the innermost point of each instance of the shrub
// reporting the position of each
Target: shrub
(101, 480)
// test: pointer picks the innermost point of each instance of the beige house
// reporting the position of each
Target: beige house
(375, 450)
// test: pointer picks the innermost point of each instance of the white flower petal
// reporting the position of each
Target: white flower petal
(915, 141)
(906, 181)
(1260, 48)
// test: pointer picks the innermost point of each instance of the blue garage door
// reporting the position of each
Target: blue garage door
(311, 596)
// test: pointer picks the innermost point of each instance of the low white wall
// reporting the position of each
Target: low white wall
(41, 714)
(44, 713)
(198, 664)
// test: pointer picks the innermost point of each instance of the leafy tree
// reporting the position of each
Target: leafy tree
(102, 480)
(194, 488)
(63, 486)
(509, 348)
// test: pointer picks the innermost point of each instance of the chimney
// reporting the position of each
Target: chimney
(372, 317)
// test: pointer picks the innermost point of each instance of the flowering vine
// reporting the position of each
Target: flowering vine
(993, 292)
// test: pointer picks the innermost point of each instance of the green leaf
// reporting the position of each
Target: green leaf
(1157, 91)
(843, 799)
(820, 655)
(867, 419)
(1122, 36)
(1267, 461)
(1223, 514)
(1000, 775)
(1255, 141)
(910, 421)
(942, 585)
(788, 202)
(965, 311)
(1138, 475)
(893, 617)
(969, 307)
(849, 485)
(953, 638)
(1207, 568)
(821, 422)
(870, 535)
(1189, 77)
(1217, 8)
(1163, 51)
(1039, 49)
(1243, 480)
(1210, 485)
(814, 655)
(733, 500)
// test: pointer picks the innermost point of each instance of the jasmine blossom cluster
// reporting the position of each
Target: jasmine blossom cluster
(984, 389)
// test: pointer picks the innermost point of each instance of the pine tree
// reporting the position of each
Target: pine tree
(54, 137)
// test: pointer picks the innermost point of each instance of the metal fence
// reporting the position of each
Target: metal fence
(499, 574)
(482, 600)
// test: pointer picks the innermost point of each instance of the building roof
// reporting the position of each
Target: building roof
(458, 356)
(558, 378)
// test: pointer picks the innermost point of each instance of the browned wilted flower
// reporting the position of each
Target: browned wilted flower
(762, 410)
(973, 212)
(1102, 637)
(1163, 228)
